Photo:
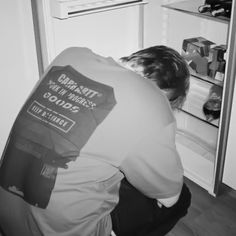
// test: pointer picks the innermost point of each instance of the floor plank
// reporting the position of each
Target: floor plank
(208, 215)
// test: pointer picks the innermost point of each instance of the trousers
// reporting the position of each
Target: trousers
(138, 215)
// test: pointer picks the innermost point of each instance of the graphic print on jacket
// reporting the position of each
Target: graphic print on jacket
(50, 130)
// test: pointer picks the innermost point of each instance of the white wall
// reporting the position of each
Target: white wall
(18, 61)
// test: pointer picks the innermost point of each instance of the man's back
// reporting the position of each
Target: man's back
(132, 133)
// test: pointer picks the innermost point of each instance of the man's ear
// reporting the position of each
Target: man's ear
(176, 101)
(169, 94)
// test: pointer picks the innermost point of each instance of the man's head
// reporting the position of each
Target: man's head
(165, 67)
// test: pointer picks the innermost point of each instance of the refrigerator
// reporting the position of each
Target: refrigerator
(119, 27)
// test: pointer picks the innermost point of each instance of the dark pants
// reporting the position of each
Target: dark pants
(138, 215)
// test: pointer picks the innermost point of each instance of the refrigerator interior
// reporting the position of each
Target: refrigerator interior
(121, 31)
(197, 138)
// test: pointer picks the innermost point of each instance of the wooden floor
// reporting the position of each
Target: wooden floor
(208, 216)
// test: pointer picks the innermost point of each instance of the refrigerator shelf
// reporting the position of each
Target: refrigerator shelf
(214, 123)
(191, 7)
(206, 78)
(192, 128)
(196, 144)
(197, 96)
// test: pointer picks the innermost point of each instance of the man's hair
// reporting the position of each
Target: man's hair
(166, 67)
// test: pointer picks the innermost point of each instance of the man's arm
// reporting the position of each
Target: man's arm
(154, 166)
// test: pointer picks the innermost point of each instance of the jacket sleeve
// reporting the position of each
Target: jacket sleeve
(153, 166)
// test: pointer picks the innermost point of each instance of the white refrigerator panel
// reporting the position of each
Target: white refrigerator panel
(229, 176)
(114, 32)
(108, 33)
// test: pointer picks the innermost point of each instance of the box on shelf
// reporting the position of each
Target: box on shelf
(205, 57)
(198, 44)
(217, 65)
(196, 52)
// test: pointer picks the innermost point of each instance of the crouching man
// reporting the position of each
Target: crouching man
(90, 131)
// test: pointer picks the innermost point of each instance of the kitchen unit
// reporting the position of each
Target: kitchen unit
(126, 26)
